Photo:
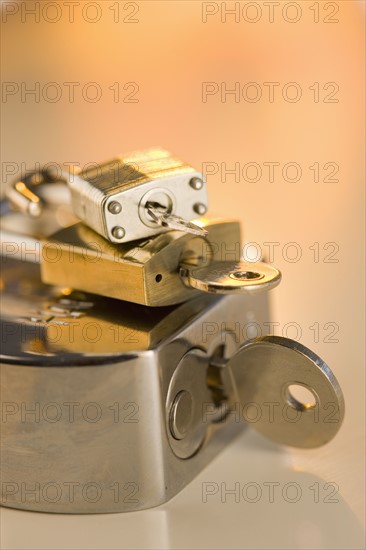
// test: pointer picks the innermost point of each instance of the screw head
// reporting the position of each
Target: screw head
(200, 208)
(118, 232)
(114, 207)
(196, 183)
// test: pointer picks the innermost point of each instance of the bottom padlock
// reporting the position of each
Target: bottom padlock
(109, 406)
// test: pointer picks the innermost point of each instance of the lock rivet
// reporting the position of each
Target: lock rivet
(118, 232)
(196, 183)
(200, 208)
(181, 414)
(114, 207)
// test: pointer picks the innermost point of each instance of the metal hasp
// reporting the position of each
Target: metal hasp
(110, 406)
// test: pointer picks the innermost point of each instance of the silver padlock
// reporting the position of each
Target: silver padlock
(128, 198)
(108, 406)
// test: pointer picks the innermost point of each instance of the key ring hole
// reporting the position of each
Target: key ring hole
(301, 397)
(246, 275)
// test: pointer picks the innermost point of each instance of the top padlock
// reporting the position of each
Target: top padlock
(139, 195)
(128, 198)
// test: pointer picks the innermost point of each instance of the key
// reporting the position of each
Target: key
(231, 277)
(160, 215)
(282, 365)
(127, 198)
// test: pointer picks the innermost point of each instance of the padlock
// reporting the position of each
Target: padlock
(164, 270)
(110, 406)
(128, 198)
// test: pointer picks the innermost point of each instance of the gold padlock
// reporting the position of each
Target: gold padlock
(156, 272)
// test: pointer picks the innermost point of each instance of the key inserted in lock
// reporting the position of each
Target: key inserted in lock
(260, 374)
(128, 198)
(163, 270)
(140, 195)
(231, 277)
(160, 271)
(161, 215)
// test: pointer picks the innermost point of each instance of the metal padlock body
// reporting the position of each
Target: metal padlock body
(144, 272)
(112, 197)
(85, 385)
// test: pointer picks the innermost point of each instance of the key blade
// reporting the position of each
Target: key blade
(163, 218)
(176, 222)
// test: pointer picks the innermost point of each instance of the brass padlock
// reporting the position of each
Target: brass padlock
(164, 270)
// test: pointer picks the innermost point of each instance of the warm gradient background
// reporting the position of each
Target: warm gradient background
(169, 52)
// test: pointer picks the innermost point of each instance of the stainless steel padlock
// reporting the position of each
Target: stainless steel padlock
(109, 406)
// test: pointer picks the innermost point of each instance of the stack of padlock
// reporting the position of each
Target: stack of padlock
(120, 378)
